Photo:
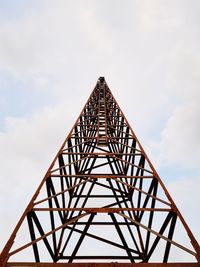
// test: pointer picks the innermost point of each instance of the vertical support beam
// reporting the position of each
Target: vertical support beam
(81, 237)
(33, 237)
(170, 235)
(122, 237)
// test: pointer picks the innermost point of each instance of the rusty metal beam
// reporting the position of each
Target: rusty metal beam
(102, 210)
(105, 264)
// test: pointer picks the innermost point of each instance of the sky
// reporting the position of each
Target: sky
(51, 55)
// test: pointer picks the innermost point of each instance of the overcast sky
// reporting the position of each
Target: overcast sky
(52, 53)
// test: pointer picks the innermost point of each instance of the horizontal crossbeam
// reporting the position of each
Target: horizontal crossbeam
(102, 210)
(105, 264)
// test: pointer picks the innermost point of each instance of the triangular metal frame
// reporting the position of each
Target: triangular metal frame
(101, 178)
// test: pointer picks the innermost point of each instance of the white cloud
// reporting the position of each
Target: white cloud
(27, 148)
(179, 141)
(180, 138)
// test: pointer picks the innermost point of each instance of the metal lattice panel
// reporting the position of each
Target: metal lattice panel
(101, 201)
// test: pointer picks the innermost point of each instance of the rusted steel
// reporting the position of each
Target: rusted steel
(101, 159)
(47, 234)
(101, 175)
(102, 210)
(159, 235)
(105, 264)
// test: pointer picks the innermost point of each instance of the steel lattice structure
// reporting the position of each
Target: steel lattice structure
(101, 202)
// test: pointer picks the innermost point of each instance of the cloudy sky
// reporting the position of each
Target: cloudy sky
(52, 53)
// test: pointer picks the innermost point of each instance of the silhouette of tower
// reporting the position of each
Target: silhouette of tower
(101, 202)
